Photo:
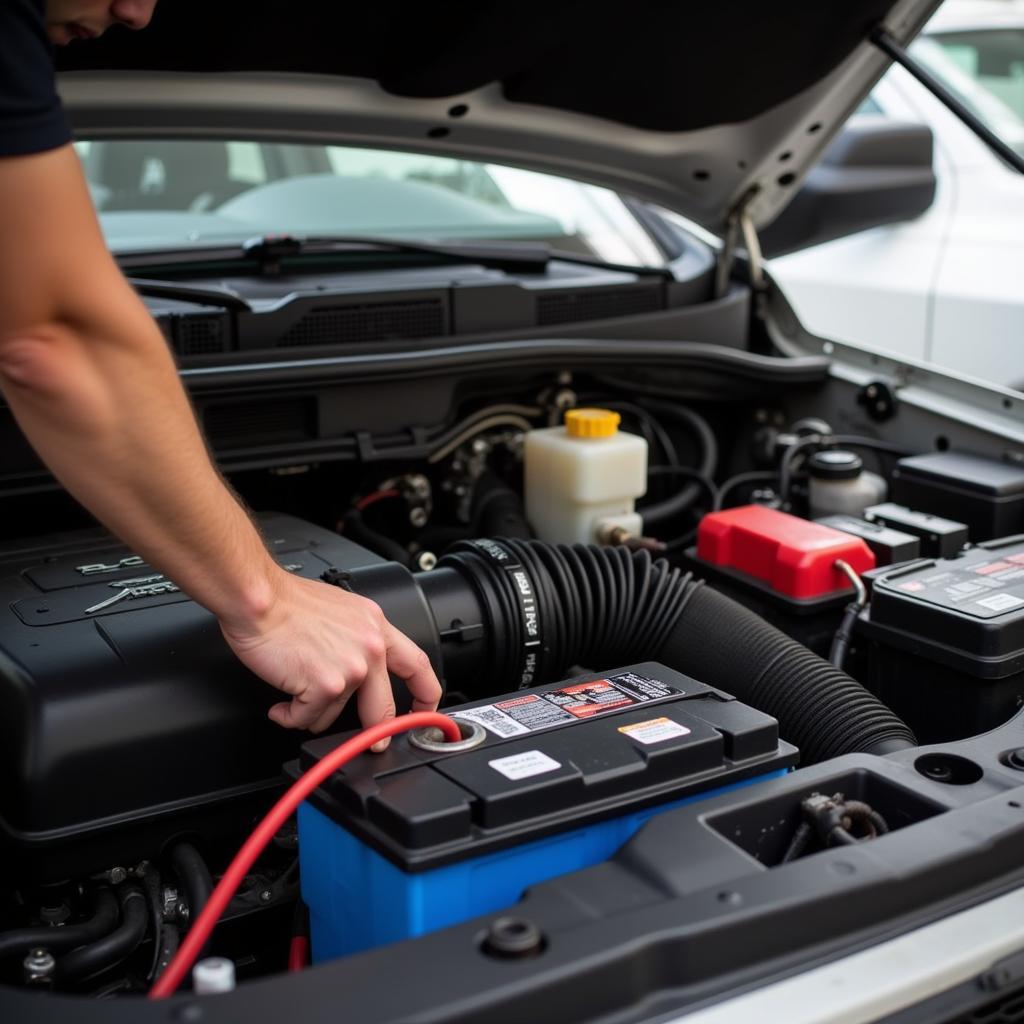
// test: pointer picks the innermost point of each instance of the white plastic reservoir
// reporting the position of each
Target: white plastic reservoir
(584, 477)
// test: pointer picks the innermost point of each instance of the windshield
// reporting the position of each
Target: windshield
(985, 69)
(160, 194)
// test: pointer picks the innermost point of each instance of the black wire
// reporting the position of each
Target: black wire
(827, 440)
(690, 474)
(754, 476)
(659, 432)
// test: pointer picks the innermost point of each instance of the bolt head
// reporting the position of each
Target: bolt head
(266, 896)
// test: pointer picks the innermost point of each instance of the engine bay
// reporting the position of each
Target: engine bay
(721, 650)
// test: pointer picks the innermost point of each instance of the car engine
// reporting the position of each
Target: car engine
(643, 602)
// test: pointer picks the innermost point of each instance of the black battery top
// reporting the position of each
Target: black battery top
(553, 757)
(973, 604)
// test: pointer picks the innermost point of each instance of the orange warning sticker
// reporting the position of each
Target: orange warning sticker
(654, 730)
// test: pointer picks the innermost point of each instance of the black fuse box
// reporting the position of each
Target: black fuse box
(985, 494)
(947, 640)
(940, 538)
(889, 546)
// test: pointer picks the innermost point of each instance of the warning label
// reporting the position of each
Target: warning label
(981, 588)
(532, 711)
(654, 731)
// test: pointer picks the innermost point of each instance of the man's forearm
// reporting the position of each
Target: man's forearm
(92, 384)
(109, 417)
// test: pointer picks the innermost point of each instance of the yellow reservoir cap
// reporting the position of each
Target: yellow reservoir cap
(592, 422)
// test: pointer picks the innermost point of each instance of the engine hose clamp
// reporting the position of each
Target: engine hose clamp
(433, 740)
(529, 611)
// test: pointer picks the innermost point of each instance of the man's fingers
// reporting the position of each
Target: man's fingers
(329, 714)
(300, 713)
(376, 702)
(409, 663)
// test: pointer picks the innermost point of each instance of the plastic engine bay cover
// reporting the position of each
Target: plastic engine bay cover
(120, 701)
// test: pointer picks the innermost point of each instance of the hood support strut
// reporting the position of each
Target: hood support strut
(740, 225)
(891, 48)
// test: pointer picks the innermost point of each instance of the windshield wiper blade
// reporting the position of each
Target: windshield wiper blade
(529, 257)
(225, 298)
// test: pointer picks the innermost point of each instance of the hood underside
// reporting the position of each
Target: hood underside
(695, 106)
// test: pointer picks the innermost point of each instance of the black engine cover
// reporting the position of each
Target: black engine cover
(124, 726)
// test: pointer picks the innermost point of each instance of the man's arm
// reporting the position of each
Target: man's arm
(93, 386)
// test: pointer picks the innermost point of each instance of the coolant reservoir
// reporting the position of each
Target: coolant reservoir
(583, 478)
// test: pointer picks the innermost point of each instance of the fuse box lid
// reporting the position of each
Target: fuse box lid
(554, 757)
(977, 473)
(793, 556)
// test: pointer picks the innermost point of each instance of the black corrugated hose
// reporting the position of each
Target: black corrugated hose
(603, 606)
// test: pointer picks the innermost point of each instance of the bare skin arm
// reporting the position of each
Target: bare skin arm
(93, 386)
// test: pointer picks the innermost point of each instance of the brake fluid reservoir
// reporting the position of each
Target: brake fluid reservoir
(584, 477)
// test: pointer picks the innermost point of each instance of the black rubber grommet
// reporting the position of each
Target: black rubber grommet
(512, 938)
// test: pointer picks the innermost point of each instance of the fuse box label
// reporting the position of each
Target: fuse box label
(524, 765)
(532, 711)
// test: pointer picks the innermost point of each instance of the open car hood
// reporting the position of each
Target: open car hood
(703, 108)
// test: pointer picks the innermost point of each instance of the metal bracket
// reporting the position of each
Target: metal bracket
(739, 226)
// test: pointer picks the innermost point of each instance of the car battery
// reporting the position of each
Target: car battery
(946, 640)
(986, 494)
(401, 843)
(782, 567)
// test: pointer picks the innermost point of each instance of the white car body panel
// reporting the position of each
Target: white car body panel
(946, 289)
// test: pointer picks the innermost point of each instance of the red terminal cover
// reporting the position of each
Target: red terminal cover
(793, 556)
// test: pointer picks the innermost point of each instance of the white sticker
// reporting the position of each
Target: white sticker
(1001, 602)
(522, 766)
(654, 730)
(493, 720)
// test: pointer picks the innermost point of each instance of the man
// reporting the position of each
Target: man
(89, 378)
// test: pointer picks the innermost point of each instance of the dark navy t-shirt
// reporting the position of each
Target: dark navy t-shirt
(31, 117)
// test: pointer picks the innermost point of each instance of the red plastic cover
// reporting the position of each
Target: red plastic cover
(793, 556)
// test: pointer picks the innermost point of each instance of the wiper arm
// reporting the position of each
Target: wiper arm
(891, 48)
(528, 257)
(225, 298)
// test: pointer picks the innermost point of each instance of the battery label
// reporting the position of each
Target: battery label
(654, 731)
(532, 711)
(525, 765)
(983, 589)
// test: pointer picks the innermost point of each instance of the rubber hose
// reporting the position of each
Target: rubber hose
(498, 510)
(659, 512)
(357, 530)
(194, 876)
(821, 709)
(607, 606)
(56, 940)
(86, 961)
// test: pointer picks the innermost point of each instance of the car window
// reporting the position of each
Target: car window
(994, 58)
(163, 193)
(998, 101)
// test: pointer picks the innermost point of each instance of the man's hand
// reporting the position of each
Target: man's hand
(320, 645)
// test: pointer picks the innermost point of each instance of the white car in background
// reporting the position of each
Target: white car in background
(947, 288)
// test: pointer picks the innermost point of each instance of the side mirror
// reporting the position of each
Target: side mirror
(877, 171)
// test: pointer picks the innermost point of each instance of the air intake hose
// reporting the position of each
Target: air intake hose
(544, 608)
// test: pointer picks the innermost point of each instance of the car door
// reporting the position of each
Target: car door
(874, 289)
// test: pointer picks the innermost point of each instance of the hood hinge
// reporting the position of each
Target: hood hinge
(739, 227)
